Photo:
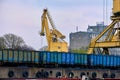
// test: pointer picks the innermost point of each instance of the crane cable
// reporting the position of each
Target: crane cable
(105, 11)
(50, 19)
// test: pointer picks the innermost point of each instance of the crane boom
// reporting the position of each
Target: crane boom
(112, 33)
(54, 37)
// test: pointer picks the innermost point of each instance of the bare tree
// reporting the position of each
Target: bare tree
(12, 41)
(2, 43)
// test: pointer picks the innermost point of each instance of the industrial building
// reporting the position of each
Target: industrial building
(80, 40)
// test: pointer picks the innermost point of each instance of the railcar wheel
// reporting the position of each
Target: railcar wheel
(10, 74)
(82, 73)
(46, 74)
(94, 75)
(25, 74)
(70, 74)
(58, 74)
(38, 74)
(105, 75)
(112, 75)
(51, 72)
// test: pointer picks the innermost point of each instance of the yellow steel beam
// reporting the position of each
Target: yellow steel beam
(107, 28)
(108, 44)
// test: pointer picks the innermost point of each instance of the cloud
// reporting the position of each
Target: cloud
(23, 20)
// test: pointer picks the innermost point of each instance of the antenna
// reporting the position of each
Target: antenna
(76, 28)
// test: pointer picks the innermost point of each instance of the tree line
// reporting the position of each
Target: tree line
(12, 41)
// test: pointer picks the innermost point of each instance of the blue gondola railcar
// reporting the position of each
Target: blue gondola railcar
(105, 61)
(63, 58)
(5, 55)
(32, 56)
(115, 61)
(48, 57)
(79, 59)
(44, 57)
(29, 55)
(111, 61)
(68, 58)
(118, 61)
(82, 59)
(108, 61)
(37, 57)
(95, 60)
(25, 59)
(59, 60)
(1, 55)
(76, 59)
(52, 57)
(10, 56)
(56, 57)
(20, 56)
(72, 58)
(16, 54)
(100, 58)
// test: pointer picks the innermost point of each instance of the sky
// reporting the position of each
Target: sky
(23, 17)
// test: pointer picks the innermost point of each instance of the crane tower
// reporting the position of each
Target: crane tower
(112, 40)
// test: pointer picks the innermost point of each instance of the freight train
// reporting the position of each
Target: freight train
(57, 59)
(44, 64)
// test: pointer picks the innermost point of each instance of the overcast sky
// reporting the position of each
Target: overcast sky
(23, 17)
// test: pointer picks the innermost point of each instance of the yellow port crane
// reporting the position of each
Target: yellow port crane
(55, 38)
(111, 34)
